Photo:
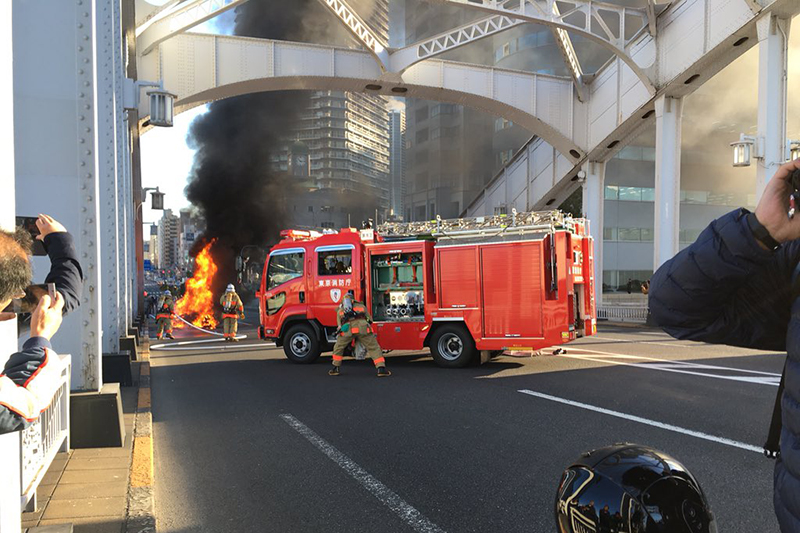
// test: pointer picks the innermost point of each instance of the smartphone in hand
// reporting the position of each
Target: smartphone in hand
(29, 225)
(33, 293)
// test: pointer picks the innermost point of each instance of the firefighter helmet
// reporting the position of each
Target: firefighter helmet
(167, 293)
(230, 288)
(628, 487)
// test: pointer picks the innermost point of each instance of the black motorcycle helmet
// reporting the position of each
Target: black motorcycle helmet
(628, 488)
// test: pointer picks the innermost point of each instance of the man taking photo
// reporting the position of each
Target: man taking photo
(27, 382)
(739, 284)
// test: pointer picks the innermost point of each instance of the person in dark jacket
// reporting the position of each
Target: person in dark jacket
(27, 383)
(734, 286)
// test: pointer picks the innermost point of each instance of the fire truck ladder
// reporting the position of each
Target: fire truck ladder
(527, 222)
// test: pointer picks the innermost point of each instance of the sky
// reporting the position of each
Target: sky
(166, 158)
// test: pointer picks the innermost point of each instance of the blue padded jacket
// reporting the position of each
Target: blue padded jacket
(726, 289)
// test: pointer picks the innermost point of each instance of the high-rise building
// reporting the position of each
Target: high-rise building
(397, 162)
(168, 229)
(347, 137)
(153, 247)
(449, 153)
(189, 230)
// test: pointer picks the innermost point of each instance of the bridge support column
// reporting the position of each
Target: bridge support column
(111, 183)
(593, 204)
(773, 56)
(668, 178)
(10, 487)
(56, 145)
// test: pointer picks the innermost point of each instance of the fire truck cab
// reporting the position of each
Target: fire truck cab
(465, 288)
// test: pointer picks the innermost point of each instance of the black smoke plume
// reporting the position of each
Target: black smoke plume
(232, 185)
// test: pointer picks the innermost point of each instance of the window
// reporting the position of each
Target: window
(612, 192)
(421, 114)
(629, 234)
(311, 209)
(502, 123)
(500, 210)
(284, 265)
(630, 194)
(443, 109)
(335, 262)
(432, 211)
(422, 135)
(610, 234)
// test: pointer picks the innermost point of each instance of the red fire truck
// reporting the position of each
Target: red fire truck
(465, 288)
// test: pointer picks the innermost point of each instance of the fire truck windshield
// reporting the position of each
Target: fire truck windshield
(284, 265)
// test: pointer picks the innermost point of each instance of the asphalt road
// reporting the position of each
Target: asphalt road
(247, 441)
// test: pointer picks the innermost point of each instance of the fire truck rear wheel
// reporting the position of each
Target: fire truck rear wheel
(452, 346)
(301, 344)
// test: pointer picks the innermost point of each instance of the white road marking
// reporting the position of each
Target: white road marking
(679, 367)
(647, 421)
(644, 342)
(384, 494)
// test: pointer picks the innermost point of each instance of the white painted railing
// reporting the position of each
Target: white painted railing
(26, 455)
(623, 313)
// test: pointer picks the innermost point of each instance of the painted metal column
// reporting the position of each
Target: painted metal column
(110, 181)
(773, 56)
(10, 486)
(55, 89)
(593, 205)
(668, 178)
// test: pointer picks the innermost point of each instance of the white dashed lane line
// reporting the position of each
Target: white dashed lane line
(646, 421)
(679, 367)
(384, 494)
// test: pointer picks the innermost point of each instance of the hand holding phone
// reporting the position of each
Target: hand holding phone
(29, 302)
(46, 318)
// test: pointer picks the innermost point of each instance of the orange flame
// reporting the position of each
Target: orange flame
(197, 304)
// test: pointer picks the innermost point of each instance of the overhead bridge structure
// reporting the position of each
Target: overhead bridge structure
(76, 73)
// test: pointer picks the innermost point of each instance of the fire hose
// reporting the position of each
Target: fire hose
(182, 345)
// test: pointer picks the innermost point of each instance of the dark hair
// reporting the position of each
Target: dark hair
(15, 265)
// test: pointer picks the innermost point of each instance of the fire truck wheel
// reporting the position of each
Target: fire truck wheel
(301, 344)
(452, 346)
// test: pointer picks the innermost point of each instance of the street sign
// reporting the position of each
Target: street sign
(148, 266)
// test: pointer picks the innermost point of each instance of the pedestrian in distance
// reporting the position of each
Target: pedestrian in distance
(164, 313)
(355, 323)
(739, 284)
(232, 311)
(28, 382)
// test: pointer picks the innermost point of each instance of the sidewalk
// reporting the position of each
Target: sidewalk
(91, 488)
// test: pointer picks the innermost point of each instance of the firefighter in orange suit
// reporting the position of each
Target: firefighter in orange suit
(232, 311)
(355, 323)
(164, 313)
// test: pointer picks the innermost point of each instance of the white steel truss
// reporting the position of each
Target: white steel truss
(180, 18)
(360, 30)
(605, 24)
(450, 40)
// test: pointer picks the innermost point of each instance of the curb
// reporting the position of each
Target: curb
(141, 517)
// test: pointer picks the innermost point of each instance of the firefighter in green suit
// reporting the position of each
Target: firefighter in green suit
(355, 322)
(232, 311)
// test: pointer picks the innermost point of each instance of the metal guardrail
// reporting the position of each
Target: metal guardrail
(47, 436)
(623, 313)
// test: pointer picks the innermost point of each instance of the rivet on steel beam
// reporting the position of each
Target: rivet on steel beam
(80, 71)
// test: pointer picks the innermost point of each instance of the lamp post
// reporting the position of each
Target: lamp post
(743, 150)
(793, 149)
